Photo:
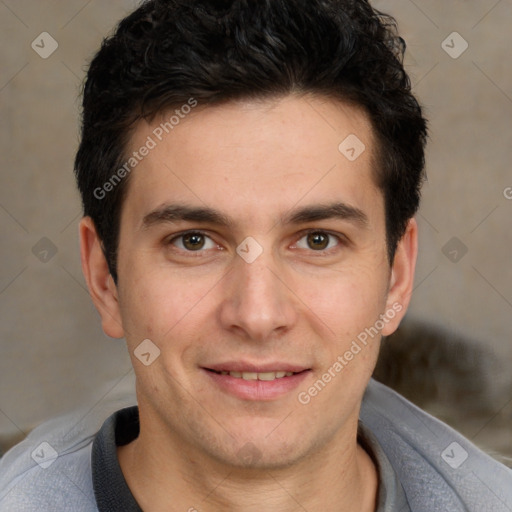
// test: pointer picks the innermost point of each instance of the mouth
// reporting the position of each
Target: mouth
(267, 376)
(250, 382)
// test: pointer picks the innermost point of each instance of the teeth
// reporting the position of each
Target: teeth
(266, 376)
(258, 376)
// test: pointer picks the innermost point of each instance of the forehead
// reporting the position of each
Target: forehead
(254, 158)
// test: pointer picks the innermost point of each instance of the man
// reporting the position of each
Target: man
(250, 173)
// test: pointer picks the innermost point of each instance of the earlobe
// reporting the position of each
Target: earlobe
(402, 277)
(101, 286)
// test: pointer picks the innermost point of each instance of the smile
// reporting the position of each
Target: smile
(257, 376)
(248, 382)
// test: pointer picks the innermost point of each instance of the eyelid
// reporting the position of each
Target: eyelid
(181, 234)
(341, 239)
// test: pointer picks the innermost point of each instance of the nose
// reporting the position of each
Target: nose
(258, 303)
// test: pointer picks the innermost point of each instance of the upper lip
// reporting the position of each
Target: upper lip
(242, 366)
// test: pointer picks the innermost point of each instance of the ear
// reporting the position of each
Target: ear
(99, 281)
(402, 277)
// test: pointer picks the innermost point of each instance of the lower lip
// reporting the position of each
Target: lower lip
(257, 389)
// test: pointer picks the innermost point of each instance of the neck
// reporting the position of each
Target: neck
(168, 474)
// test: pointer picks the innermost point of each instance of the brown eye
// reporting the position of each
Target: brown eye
(193, 241)
(317, 241)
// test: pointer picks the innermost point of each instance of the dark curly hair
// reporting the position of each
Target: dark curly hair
(169, 51)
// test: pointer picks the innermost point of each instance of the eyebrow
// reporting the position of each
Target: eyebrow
(313, 213)
(174, 213)
(205, 215)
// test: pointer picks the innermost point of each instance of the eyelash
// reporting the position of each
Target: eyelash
(342, 241)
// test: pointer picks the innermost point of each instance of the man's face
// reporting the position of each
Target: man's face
(250, 243)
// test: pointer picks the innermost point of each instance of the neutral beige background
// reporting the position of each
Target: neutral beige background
(54, 355)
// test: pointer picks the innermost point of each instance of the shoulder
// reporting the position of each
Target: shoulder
(50, 470)
(44, 473)
(438, 467)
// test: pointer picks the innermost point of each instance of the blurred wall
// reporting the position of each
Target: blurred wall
(54, 354)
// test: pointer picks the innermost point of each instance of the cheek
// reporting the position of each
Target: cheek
(346, 308)
(156, 306)
(346, 301)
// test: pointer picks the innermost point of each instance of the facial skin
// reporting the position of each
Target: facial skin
(297, 305)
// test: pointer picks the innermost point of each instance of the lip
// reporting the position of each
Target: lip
(256, 390)
(242, 366)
